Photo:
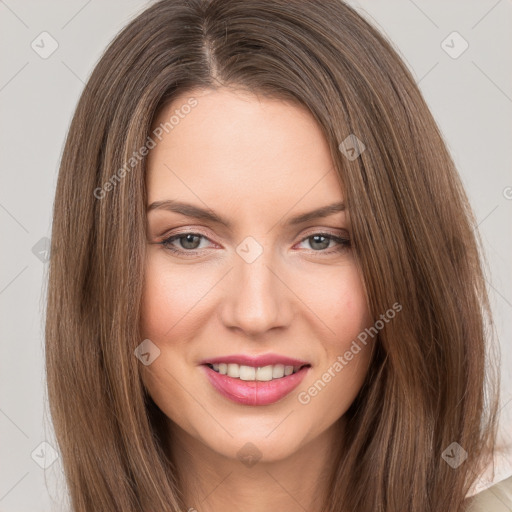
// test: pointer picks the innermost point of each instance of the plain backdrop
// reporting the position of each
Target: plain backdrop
(469, 93)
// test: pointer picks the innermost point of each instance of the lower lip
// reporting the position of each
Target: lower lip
(248, 392)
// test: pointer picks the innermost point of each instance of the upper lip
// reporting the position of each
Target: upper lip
(256, 361)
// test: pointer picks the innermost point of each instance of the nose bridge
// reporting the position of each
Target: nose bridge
(256, 300)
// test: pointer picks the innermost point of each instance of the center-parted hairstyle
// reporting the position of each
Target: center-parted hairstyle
(413, 239)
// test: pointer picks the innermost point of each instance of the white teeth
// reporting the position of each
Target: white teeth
(278, 371)
(263, 373)
(247, 372)
(233, 370)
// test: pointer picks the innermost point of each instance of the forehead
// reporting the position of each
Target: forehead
(237, 146)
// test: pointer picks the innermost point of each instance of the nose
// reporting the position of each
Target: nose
(256, 297)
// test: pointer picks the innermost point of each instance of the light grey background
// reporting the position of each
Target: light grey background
(470, 97)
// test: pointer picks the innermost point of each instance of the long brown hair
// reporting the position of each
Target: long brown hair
(414, 240)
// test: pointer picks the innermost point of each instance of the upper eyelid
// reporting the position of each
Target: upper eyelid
(313, 231)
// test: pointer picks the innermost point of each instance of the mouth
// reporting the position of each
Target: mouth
(250, 373)
(254, 385)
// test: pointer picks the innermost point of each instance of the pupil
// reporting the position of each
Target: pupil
(315, 240)
(188, 240)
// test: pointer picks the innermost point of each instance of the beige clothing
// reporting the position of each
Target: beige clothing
(497, 498)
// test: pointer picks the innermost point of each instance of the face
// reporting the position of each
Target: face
(255, 281)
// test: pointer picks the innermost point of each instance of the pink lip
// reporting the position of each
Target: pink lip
(248, 392)
(256, 361)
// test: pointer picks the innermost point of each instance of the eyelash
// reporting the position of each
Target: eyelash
(344, 243)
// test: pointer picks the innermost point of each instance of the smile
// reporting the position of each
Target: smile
(255, 386)
(264, 373)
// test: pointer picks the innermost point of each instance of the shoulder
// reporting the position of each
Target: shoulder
(497, 498)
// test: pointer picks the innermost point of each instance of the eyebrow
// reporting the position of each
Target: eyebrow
(196, 212)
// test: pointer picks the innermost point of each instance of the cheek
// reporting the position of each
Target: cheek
(340, 304)
(169, 309)
(351, 319)
(171, 297)
(338, 300)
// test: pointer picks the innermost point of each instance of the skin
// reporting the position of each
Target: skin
(257, 162)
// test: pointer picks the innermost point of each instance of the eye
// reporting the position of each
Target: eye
(188, 242)
(319, 242)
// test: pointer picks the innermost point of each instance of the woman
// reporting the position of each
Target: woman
(274, 296)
